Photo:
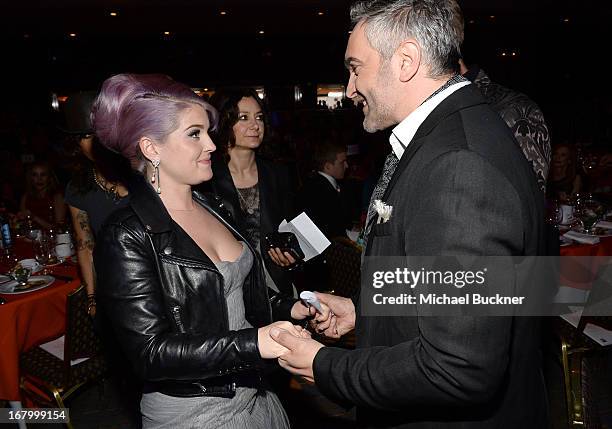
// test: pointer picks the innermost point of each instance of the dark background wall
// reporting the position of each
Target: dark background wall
(560, 49)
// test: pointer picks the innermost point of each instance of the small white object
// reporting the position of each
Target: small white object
(581, 238)
(353, 235)
(63, 250)
(311, 299)
(310, 238)
(31, 264)
(384, 211)
(567, 214)
(604, 224)
(56, 348)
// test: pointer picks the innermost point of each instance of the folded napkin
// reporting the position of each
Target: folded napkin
(604, 224)
(581, 238)
(7, 287)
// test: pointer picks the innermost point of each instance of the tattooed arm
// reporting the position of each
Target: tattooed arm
(85, 245)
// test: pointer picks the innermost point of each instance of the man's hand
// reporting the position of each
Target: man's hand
(300, 354)
(269, 349)
(342, 314)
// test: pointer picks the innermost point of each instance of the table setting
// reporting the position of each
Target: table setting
(584, 220)
(34, 283)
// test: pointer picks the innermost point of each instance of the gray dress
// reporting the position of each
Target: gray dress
(249, 409)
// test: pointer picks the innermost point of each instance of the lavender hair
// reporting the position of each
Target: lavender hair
(132, 106)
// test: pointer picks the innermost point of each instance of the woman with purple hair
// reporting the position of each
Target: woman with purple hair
(183, 291)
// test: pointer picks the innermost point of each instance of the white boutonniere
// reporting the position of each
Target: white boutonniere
(383, 210)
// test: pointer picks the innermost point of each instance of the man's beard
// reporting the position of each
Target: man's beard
(379, 112)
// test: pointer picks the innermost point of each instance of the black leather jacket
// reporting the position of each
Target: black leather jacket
(165, 302)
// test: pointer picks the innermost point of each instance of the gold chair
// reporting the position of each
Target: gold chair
(575, 346)
(344, 261)
(48, 380)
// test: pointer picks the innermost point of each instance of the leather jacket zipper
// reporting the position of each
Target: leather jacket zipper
(176, 313)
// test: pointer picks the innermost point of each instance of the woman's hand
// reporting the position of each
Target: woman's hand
(299, 311)
(270, 349)
(281, 259)
(320, 322)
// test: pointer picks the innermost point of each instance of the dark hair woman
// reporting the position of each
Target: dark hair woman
(256, 190)
(181, 287)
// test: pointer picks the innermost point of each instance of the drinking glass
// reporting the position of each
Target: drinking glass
(44, 249)
(554, 213)
(590, 212)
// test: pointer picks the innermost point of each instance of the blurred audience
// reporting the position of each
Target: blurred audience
(564, 179)
(42, 201)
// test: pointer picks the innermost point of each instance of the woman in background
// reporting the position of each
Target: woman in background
(182, 289)
(257, 191)
(563, 178)
(42, 201)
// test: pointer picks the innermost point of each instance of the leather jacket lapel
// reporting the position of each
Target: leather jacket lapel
(223, 186)
(267, 202)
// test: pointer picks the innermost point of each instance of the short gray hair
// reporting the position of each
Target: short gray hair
(436, 24)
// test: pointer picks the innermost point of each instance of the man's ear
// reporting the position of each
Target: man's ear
(148, 148)
(409, 56)
(326, 167)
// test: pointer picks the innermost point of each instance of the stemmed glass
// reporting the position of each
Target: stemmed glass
(554, 214)
(590, 212)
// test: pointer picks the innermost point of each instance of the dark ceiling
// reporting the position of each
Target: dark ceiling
(206, 48)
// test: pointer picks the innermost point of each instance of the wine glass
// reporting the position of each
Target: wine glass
(554, 213)
(589, 213)
(589, 163)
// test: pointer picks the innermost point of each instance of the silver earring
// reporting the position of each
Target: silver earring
(155, 176)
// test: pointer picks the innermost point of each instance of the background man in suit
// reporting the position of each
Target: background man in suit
(324, 202)
(321, 195)
(459, 185)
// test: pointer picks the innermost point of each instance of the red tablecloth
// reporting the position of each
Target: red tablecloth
(579, 272)
(29, 319)
(603, 248)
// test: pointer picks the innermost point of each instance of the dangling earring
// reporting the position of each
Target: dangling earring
(155, 176)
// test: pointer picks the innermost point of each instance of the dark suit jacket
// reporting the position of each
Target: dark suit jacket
(275, 204)
(325, 206)
(462, 187)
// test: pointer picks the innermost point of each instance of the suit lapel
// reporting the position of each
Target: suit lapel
(460, 99)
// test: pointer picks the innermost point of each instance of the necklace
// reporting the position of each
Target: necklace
(181, 210)
(102, 183)
(250, 203)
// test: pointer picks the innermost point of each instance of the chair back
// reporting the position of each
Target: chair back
(344, 261)
(81, 340)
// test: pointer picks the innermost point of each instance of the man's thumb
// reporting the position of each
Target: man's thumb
(281, 336)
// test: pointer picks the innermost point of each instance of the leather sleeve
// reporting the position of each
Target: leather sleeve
(281, 306)
(130, 295)
(454, 361)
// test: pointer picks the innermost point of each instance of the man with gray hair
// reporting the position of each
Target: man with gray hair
(458, 185)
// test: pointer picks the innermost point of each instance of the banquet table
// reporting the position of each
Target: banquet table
(603, 248)
(31, 318)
